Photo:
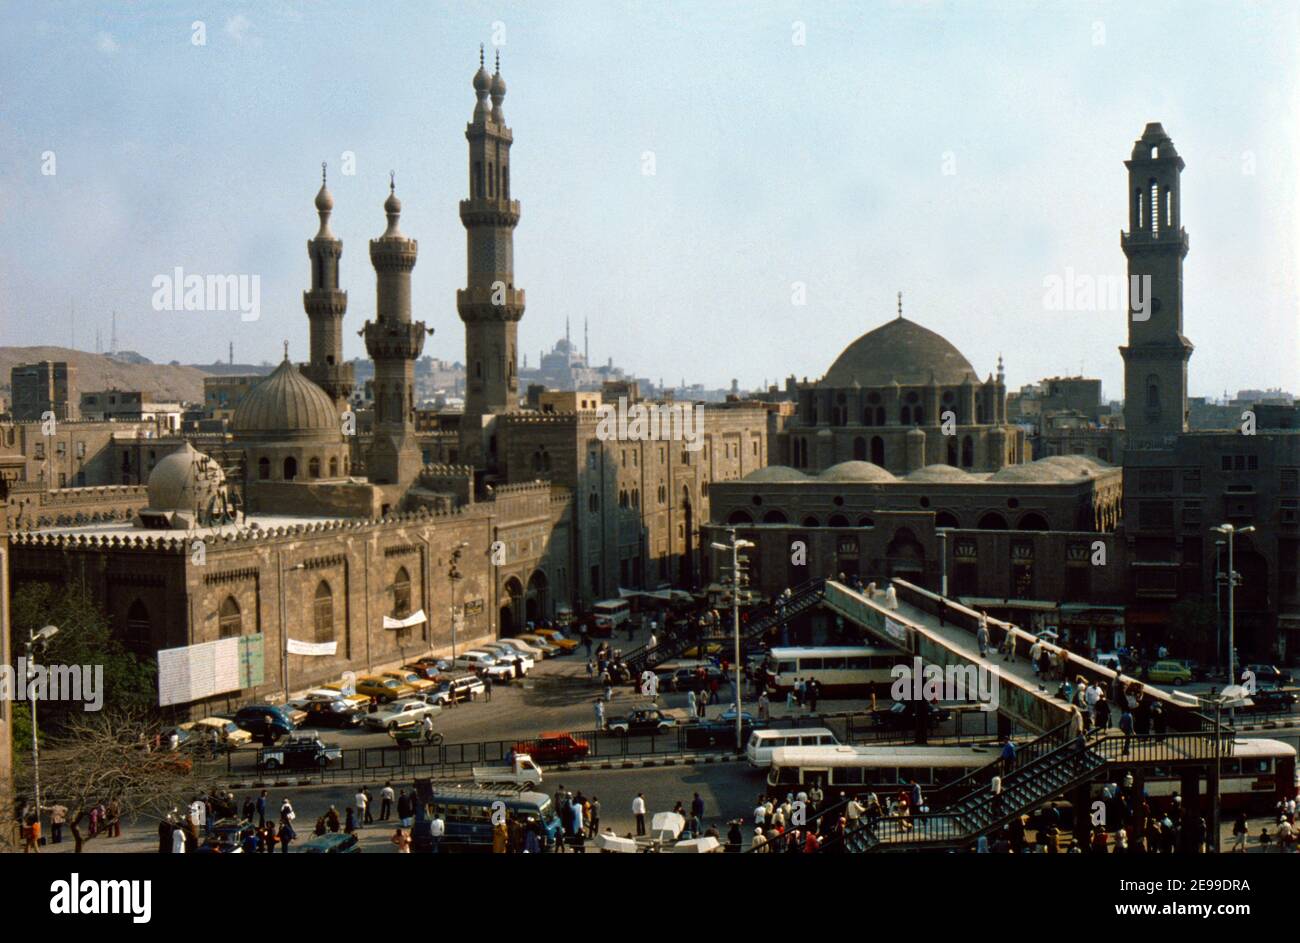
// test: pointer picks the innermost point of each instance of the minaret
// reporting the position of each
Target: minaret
(490, 305)
(1155, 360)
(394, 343)
(325, 306)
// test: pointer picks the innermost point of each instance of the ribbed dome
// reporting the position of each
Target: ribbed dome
(939, 473)
(285, 405)
(184, 481)
(856, 471)
(776, 473)
(1043, 471)
(899, 350)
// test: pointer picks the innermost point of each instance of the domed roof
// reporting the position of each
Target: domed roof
(938, 473)
(285, 405)
(776, 473)
(899, 350)
(184, 481)
(1043, 471)
(856, 471)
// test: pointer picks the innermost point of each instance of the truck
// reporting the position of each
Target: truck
(521, 770)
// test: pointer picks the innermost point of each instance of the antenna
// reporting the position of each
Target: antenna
(112, 344)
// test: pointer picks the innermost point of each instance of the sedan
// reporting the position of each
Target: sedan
(521, 646)
(542, 644)
(399, 714)
(338, 713)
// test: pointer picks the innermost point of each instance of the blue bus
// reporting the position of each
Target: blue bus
(467, 812)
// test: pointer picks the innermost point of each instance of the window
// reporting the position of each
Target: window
(290, 468)
(230, 621)
(323, 612)
(402, 600)
(313, 467)
(81, 450)
(334, 466)
(263, 468)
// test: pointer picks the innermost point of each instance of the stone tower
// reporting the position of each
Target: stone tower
(1155, 360)
(490, 305)
(325, 306)
(394, 343)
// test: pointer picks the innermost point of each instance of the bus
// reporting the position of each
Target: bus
(467, 813)
(1254, 776)
(841, 669)
(608, 615)
(870, 768)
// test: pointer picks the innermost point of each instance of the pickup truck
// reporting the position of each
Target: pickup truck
(521, 770)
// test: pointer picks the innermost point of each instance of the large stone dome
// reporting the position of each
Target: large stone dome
(856, 471)
(187, 480)
(901, 351)
(776, 473)
(286, 405)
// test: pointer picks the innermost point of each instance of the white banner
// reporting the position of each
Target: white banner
(312, 648)
(197, 671)
(895, 629)
(414, 618)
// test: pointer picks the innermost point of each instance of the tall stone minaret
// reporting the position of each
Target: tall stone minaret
(394, 342)
(490, 305)
(1155, 360)
(325, 306)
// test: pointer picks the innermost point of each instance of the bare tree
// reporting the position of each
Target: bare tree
(111, 758)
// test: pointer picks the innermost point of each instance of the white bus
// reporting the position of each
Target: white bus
(875, 767)
(840, 669)
(610, 614)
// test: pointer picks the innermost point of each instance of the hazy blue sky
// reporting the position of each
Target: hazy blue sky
(822, 163)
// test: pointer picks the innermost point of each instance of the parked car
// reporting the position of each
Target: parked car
(558, 639)
(331, 843)
(415, 681)
(687, 678)
(473, 660)
(1168, 671)
(226, 837)
(337, 713)
(508, 654)
(902, 715)
(335, 693)
(1267, 676)
(429, 668)
(264, 721)
(542, 644)
(463, 687)
(554, 748)
(301, 752)
(641, 721)
(384, 690)
(720, 733)
(520, 645)
(1271, 700)
(406, 713)
(220, 732)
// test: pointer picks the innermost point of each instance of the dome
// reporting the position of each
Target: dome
(856, 471)
(498, 86)
(186, 480)
(324, 202)
(939, 473)
(482, 81)
(902, 351)
(1043, 471)
(776, 473)
(285, 405)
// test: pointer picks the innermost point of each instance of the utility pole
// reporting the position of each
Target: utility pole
(1234, 579)
(738, 582)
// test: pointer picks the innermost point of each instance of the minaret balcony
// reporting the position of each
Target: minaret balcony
(320, 302)
(1142, 239)
(486, 211)
(389, 253)
(387, 340)
(486, 302)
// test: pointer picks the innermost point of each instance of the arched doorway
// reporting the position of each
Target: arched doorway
(290, 468)
(905, 556)
(535, 602)
(687, 568)
(511, 595)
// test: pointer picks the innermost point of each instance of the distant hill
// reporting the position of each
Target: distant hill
(165, 382)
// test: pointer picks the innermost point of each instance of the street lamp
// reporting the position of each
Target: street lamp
(1218, 605)
(1233, 579)
(735, 547)
(454, 574)
(942, 533)
(284, 628)
(1232, 695)
(34, 639)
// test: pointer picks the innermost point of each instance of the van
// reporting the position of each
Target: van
(608, 615)
(762, 742)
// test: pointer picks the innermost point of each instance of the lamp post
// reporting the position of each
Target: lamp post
(1227, 698)
(454, 574)
(284, 628)
(1233, 579)
(735, 547)
(33, 640)
(942, 533)
(1218, 606)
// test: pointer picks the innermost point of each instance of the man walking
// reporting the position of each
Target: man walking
(487, 687)
(386, 802)
(363, 806)
(697, 808)
(261, 810)
(638, 810)
(982, 635)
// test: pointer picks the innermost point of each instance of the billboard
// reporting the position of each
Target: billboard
(194, 672)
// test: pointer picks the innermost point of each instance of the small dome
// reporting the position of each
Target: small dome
(1043, 471)
(498, 86)
(856, 471)
(482, 81)
(285, 405)
(186, 480)
(392, 205)
(324, 202)
(776, 473)
(939, 473)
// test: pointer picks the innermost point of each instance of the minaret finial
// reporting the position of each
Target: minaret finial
(286, 350)
(480, 55)
(900, 304)
(392, 181)
(322, 173)
(498, 62)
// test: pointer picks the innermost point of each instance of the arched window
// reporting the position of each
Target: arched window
(478, 178)
(919, 416)
(838, 520)
(952, 450)
(263, 468)
(945, 519)
(334, 466)
(866, 521)
(290, 468)
(230, 621)
(313, 467)
(1153, 393)
(323, 612)
(811, 521)
(774, 517)
(740, 517)
(1032, 521)
(401, 594)
(905, 415)
(992, 521)
(505, 181)
(860, 449)
(967, 452)
(878, 451)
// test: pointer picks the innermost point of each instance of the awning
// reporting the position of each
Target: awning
(1034, 605)
(414, 618)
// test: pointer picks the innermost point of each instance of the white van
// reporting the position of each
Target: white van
(610, 614)
(763, 742)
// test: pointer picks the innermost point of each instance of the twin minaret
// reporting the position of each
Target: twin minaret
(490, 306)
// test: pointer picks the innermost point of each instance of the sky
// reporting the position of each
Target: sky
(687, 173)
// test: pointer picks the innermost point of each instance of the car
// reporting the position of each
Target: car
(1271, 700)
(331, 843)
(509, 655)
(902, 715)
(226, 836)
(542, 644)
(1267, 676)
(405, 713)
(463, 687)
(645, 720)
(336, 713)
(554, 748)
(703, 651)
(300, 752)
(522, 646)
(720, 733)
(222, 732)
(729, 716)
(334, 691)
(428, 668)
(473, 660)
(687, 679)
(557, 638)
(1168, 671)
(414, 680)
(264, 721)
(384, 690)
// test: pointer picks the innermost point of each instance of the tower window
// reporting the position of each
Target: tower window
(492, 189)
(1155, 209)
(477, 181)
(1141, 210)
(505, 182)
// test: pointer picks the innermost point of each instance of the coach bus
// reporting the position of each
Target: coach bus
(841, 669)
(467, 813)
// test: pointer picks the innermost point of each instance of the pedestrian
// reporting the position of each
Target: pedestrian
(178, 841)
(437, 829)
(1009, 646)
(501, 838)
(764, 707)
(363, 806)
(690, 703)
(261, 809)
(58, 817)
(401, 841)
(405, 809)
(982, 635)
(487, 687)
(591, 671)
(638, 810)
(386, 802)
(600, 714)
(350, 824)
(1126, 725)
(1008, 755)
(593, 816)
(814, 691)
(697, 808)
(287, 835)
